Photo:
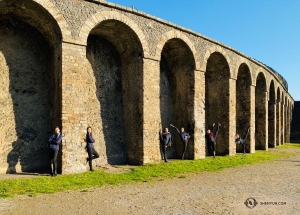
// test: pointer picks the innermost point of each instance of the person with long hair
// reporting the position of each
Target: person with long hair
(92, 153)
(211, 139)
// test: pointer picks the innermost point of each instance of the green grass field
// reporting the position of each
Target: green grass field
(147, 173)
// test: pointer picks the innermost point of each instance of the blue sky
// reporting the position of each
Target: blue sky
(266, 30)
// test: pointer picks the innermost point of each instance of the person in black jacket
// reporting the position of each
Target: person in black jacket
(241, 141)
(184, 138)
(54, 142)
(211, 139)
(92, 153)
(166, 140)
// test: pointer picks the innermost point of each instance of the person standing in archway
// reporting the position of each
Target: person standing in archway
(54, 142)
(166, 140)
(211, 139)
(241, 141)
(92, 153)
(184, 138)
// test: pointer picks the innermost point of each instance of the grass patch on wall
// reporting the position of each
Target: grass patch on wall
(147, 173)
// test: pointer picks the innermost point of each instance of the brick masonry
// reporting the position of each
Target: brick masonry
(126, 74)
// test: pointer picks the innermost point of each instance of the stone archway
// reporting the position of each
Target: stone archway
(30, 51)
(272, 116)
(243, 104)
(217, 98)
(115, 54)
(177, 66)
(278, 117)
(260, 113)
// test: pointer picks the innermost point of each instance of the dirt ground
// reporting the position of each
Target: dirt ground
(271, 188)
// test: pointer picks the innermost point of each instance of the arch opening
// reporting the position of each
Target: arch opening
(116, 58)
(177, 67)
(271, 116)
(260, 112)
(243, 102)
(30, 62)
(278, 124)
(217, 99)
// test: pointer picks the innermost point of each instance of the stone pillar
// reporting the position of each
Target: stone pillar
(151, 111)
(232, 116)
(252, 119)
(199, 115)
(74, 121)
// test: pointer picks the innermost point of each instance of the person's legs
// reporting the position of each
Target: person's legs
(90, 158)
(165, 152)
(51, 156)
(214, 149)
(95, 154)
(184, 150)
(55, 163)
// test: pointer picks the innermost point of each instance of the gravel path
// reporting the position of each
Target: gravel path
(222, 192)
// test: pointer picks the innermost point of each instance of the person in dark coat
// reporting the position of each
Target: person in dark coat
(166, 140)
(54, 142)
(241, 141)
(92, 153)
(211, 139)
(184, 138)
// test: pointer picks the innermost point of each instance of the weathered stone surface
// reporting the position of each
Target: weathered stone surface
(126, 74)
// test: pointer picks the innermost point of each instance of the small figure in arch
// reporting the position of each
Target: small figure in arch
(241, 141)
(184, 138)
(92, 153)
(165, 140)
(211, 139)
(54, 142)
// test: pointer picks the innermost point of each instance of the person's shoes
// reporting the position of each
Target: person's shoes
(92, 170)
(182, 158)
(55, 174)
(166, 161)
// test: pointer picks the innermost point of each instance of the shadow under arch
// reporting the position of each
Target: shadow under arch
(282, 119)
(217, 99)
(31, 46)
(272, 116)
(243, 105)
(260, 112)
(177, 84)
(116, 57)
(278, 107)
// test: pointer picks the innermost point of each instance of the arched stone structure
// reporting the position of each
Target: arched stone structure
(261, 113)
(217, 84)
(97, 18)
(278, 117)
(123, 73)
(272, 116)
(30, 51)
(177, 66)
(243, 104)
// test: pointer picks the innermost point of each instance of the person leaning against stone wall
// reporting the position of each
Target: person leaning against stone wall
(54, 142)
(166, 140)
(92, 153)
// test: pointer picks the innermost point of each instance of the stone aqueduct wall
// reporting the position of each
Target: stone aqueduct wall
(127, 74)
